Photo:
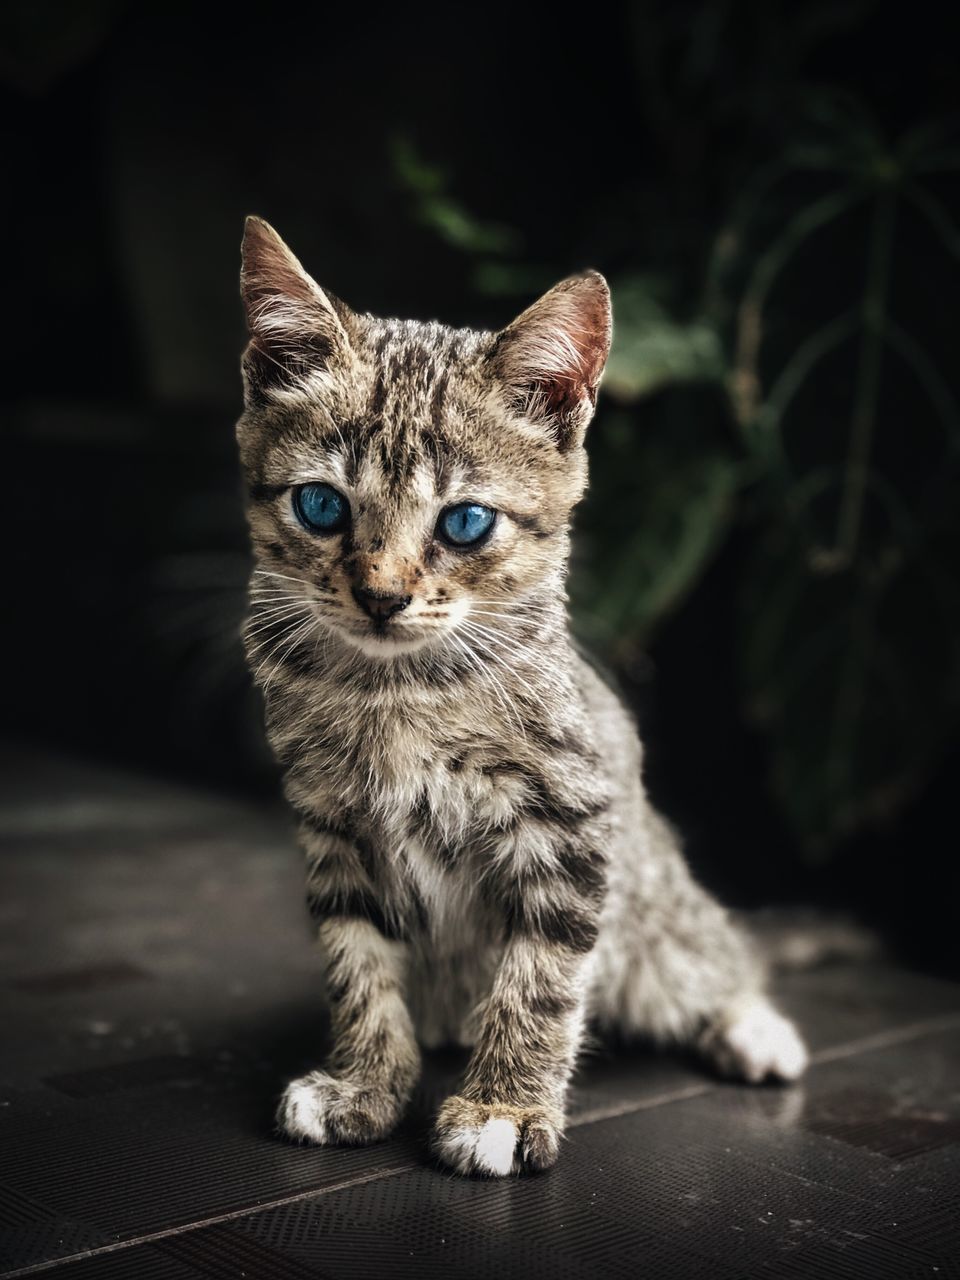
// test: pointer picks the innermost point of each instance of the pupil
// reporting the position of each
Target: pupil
(320, 506)
(467, 523)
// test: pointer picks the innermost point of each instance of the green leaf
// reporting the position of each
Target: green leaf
(439, 211)
(651, 349)
(659, 510)
(853, 675)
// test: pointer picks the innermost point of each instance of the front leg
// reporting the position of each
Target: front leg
(359, 1095)
(509, 1115)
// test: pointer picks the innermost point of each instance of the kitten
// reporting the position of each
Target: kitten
(482, 863)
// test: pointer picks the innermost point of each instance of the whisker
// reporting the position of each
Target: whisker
(269, 624)
(492, 637)
(264, 609)
(267, 597)
(254, 596)
(272, 641)
(259, 605)
(514, 603)
(493, 683)
(286, 577)
(484, 641)
(294, 640)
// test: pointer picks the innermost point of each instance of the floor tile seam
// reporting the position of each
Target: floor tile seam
(213, 1220)
(861, 1044)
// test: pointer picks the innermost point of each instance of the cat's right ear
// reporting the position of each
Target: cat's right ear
(295, 328)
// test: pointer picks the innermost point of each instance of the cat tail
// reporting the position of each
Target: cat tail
(797, 938)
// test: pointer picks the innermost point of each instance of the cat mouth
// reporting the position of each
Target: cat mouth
(385, 639)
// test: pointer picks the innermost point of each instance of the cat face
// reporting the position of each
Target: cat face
(410, 485)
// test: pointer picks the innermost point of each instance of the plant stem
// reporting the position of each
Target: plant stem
(744, 388)
(868, 371)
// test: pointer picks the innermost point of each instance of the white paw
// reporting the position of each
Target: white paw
(324, 1109)
(491, 1147)
(757, 1043)
(496, 1139)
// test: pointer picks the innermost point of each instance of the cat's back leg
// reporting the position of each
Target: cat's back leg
(672, 965)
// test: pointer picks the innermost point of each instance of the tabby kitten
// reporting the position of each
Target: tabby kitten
(482, 863)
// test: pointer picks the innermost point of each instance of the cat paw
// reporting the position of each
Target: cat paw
(325, 1110)
(756, 1043)
(496, 1139)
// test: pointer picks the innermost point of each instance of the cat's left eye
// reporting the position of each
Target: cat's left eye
(465, 524)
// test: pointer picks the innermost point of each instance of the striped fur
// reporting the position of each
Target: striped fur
(482, 862)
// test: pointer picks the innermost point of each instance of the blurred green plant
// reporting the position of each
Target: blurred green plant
(824, 429)
(440, 212)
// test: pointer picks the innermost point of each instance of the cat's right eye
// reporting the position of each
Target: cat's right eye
(320, 508)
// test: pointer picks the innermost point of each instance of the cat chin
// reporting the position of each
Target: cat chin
(384, 647)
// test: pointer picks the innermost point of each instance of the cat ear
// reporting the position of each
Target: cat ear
(552, 356)
(295, 328)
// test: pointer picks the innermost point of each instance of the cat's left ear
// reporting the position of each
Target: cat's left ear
(551, 358)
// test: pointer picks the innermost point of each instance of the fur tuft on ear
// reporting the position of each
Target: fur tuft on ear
(295, 327)
(551, 357)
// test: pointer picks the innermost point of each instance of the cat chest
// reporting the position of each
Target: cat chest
(446, 811)
(442, 818)
(440, 781)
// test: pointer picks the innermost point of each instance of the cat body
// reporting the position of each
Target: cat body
(483, 864)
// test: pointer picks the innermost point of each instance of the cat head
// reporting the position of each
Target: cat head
(410, 484)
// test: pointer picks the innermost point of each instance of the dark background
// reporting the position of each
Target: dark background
(769, 557)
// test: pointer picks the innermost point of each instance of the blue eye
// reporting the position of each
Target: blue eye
(320, 508)
(465, 524)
